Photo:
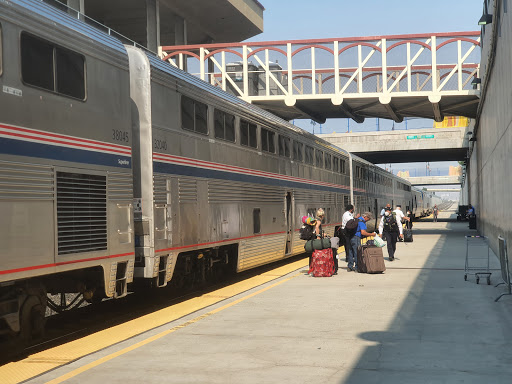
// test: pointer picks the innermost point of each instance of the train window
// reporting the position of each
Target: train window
(248, 134)
(187, 113)
(70, 72)
(51, 67)
(310, 155)
(256, 220)
(335, 164)
(319, 158)
(224, 125)
(328, 163)
(268, 140)
(37, 62)
(284, 146)
(297, 151)
(194, 115)
(201, 117)
(342, 166)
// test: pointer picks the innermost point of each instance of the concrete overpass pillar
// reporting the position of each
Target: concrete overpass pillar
(180, 34)
(153, 25)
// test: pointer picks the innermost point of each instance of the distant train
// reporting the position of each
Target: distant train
(116, 166)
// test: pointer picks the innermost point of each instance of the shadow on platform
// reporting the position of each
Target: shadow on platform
(446, 331)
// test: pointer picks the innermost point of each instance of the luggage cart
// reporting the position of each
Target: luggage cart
(477, 258)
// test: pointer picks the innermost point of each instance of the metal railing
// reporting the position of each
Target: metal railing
(381, 66)
(94, 23)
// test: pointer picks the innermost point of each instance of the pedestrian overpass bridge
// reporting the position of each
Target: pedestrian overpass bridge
(392, 77)
(435, 180)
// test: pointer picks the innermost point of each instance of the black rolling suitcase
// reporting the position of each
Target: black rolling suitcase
(370, 259)
(408, 235)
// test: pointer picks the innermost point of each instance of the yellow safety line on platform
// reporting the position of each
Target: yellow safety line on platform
(53, 358)
(86, 367)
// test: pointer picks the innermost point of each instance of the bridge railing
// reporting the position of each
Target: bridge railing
(381, 66)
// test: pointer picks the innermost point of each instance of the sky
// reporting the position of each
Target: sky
(306, 19)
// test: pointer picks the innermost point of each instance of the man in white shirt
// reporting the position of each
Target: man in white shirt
(400, 215)
(348, 215)
(400, 218)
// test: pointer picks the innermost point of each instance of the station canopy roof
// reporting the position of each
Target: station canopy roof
(218, 21)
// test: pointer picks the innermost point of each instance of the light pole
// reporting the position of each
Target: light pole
(313, 123)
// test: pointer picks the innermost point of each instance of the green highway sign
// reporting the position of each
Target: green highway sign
(414, 137)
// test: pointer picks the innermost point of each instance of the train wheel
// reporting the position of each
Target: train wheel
(32, 320)
(95, 299)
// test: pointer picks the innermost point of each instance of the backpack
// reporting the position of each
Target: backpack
(340, 234)
(390, 224)
(351, 228)
(306, 232)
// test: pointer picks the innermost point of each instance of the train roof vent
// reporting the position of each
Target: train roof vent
(81, 212)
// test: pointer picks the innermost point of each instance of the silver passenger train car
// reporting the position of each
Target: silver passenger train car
(116, 166)
(65, 163)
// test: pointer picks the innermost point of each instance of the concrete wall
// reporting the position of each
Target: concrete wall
(490, 166)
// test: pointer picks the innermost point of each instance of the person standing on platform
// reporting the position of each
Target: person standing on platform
(435, 211)
(347, 216)
(400, 217)
(383, 211)
(322, 261)
(408, 225)
(360, 234)
(389, 229)
(320, 213)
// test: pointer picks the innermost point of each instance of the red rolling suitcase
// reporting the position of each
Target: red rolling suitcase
(370, 259)
(322, 264)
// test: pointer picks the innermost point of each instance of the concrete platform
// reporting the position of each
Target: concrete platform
(419, 322)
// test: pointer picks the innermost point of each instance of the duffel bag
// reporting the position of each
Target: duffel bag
(317, 244)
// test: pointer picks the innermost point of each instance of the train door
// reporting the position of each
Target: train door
(289, 222)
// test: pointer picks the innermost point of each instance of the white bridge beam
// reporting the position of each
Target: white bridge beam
(435, 180)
